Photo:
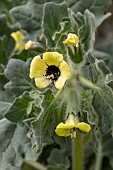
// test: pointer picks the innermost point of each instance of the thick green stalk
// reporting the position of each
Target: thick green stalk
(29, 164)
(87, 83)
(77, 152)
(99, 157)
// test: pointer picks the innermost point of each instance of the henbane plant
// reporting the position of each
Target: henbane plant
(56, 94)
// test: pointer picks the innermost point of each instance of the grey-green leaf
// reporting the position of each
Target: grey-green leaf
(52, 16)
(58, 159)
(3, 107)
(103, 104)
(29, 16)
(84, 26)
(17, 112)
(15, 146)
(17, 71)
(45, 1)
(96, 7)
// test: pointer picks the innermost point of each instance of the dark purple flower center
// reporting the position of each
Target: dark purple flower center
(52, 72)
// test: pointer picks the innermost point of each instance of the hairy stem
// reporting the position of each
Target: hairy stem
(99, 157)
(77, 152)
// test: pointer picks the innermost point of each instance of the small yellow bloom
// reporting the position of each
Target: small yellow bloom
(18, 37)
(29, 45)
(48, 69)
(72, 39)
(69, 127)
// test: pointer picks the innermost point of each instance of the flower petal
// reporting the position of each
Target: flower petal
(52, 58)
(63, 129)
(29, 45)
(85, 127)
(42, 82)
(37, 68)
(60, 82)
(65, 70)
(18, 37)
(72, 120)
(62, 132)
(72, 39)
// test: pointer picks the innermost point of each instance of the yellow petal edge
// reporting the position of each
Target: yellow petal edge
(72, 39)
(63, 129)
(18, 37)
(85, 127)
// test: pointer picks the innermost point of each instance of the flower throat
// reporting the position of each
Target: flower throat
(52, 72)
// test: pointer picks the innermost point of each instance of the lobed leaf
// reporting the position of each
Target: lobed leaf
(94, 6)
(46, 1)
(29, 16)
(84, 26)
(43, 126)
(17, 71)
(102, 101)
(6, 100)
(52, 16)
(58, 159)
(15, 146)
(19, 110)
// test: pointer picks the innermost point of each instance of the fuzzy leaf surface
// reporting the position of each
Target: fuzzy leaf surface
(29, 16)
(94, 6)
(17, 71)
(52, 16)
(15, 145)
(17, 112)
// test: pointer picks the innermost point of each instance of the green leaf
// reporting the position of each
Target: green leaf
(42, 129)
(17, 71)
(48, 108)
(6, 133)
(3, 107)
(17, 112)
(89, 109)
(72, 97)
(38, 138)
(6, 43)
(45, 1)
(6, 99)
(5, 27)
(107, 56)
(84, 26)
(102, 101)
(15, 146)
(7, 5)
(96, 7)
(58, 159)
(81, 5)
(29, 16)
(59, 36)
(99, 8)
(52, 16)
(104, 107)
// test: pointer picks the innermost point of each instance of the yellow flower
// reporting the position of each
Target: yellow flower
(18, 37)
(72, 39)
(51, 68)
(29, 45)
(69, 127)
